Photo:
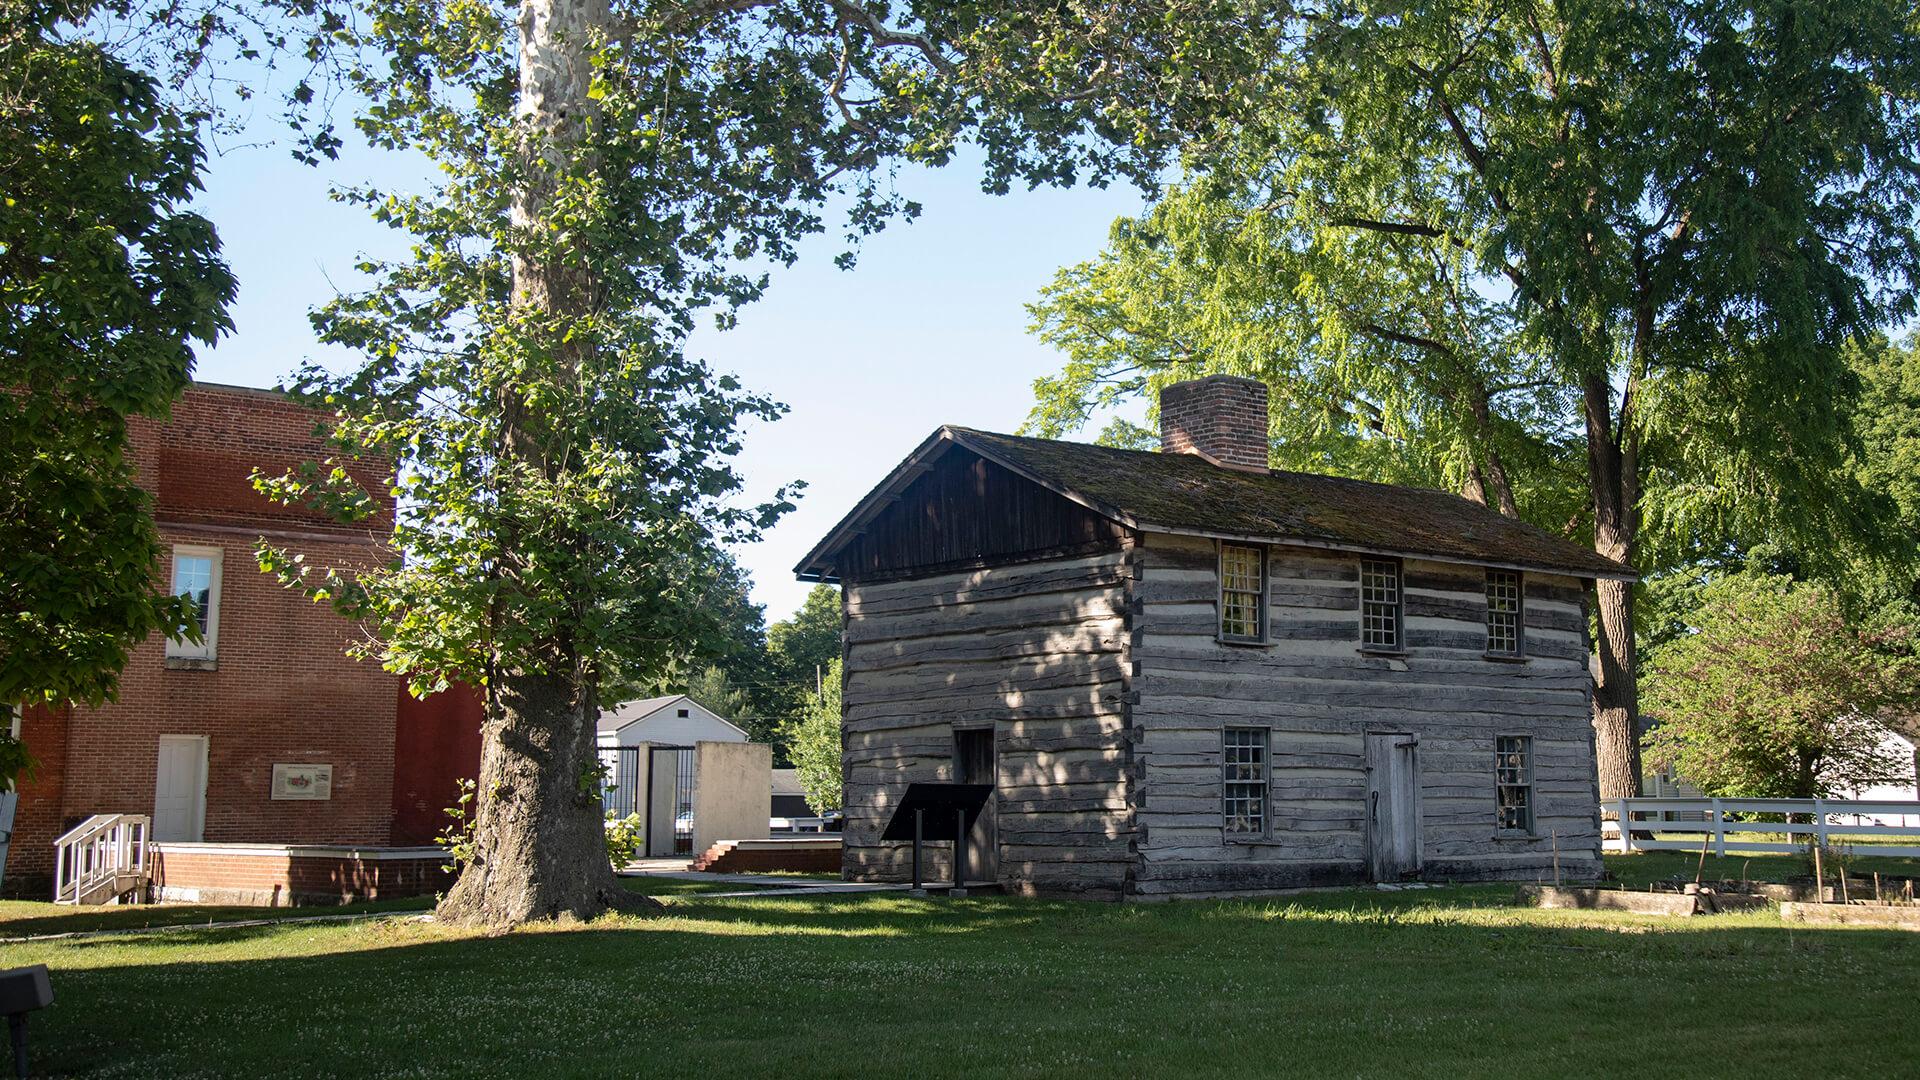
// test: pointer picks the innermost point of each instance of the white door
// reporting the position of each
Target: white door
(180, 788)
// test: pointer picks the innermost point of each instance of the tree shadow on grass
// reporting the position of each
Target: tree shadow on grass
(1430, 984)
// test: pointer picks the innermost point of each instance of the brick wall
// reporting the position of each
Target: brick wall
(207, 874)
(41, 814)
(1221, 416)
(281, 688)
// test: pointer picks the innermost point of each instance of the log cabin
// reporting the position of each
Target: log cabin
(1185, 673)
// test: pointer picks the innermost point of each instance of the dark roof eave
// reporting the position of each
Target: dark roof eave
(816, 566)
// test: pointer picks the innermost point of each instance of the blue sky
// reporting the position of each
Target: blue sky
(928, 328)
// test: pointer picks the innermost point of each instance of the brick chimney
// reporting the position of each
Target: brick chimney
(1222, 418)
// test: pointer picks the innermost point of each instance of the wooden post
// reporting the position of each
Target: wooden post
(1819, 875)
(1626, 834)
(959, 854)
(919, 823)
(1719, 823)
(1820, 822)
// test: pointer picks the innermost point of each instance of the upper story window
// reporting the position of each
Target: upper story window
(1513, 783)
(1504, 635)
(1243, 593)
(1380, 604)
(1244, 783)
(196, 576)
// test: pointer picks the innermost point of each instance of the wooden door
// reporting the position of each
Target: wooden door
(974, 763)
(180, 788)
(1393, 806)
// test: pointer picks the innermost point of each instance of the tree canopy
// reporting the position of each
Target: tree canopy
(613, 173)
(107, 279)
(1624, 245)
(814, 743)
(1774, 692)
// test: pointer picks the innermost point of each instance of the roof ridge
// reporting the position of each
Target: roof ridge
(1163, 455)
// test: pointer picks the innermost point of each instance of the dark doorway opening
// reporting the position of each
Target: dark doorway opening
(975, 763)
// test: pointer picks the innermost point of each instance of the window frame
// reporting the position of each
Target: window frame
(1519, 613)
(1527, 784)
(1399, 646)
(209, 647)
(1262, 597)
(1263, 739)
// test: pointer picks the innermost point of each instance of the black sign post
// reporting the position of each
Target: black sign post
(938, 812)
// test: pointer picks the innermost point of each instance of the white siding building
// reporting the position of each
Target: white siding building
(673, 720)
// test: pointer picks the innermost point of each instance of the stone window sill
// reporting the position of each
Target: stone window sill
(192, 663)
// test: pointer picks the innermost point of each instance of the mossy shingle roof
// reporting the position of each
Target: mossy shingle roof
(1190, 494)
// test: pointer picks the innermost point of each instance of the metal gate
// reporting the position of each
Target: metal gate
(658, 786)
(623, 785)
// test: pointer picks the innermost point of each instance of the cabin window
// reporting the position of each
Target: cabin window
(1503, 613)
(1243, 593)
(1513, 781)
(1245, 789)
(1380, 604)
(196, 578)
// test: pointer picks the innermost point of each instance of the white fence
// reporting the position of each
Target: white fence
(1687, 824)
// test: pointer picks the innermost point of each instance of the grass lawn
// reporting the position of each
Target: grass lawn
(1442, 983)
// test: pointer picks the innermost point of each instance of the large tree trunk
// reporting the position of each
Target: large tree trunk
(539, 841)
(1612, 473)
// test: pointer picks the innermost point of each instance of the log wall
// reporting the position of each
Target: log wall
(1033, 650)
(1320, 696)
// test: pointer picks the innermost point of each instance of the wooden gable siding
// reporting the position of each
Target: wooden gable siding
(967, 511)
(1319, 697)
(1034, 651)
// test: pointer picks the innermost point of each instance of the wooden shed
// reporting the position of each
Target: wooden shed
(1185, 673)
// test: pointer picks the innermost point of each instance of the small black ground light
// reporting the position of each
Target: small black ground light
(22, 990)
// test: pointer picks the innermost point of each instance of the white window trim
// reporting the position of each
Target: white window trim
(1533, 792)
(208, 649)
(1265, 831)
(1399, 646)
(1519, 651)
(1263, 616)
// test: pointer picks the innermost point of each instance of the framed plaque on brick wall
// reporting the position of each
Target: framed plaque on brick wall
(302, 781)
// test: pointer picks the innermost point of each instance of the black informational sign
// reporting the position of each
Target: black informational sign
(941, 813)
(938, 802)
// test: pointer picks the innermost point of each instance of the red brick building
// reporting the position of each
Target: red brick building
(265, 754)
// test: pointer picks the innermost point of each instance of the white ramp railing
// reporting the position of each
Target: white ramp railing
(102, 859)
(1724, 825)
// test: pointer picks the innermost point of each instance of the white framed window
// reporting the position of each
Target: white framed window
(196, 576)
(1513, 783)
(1244, 781)
(1505, 636)
(1243, 593)
(1380, 604)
